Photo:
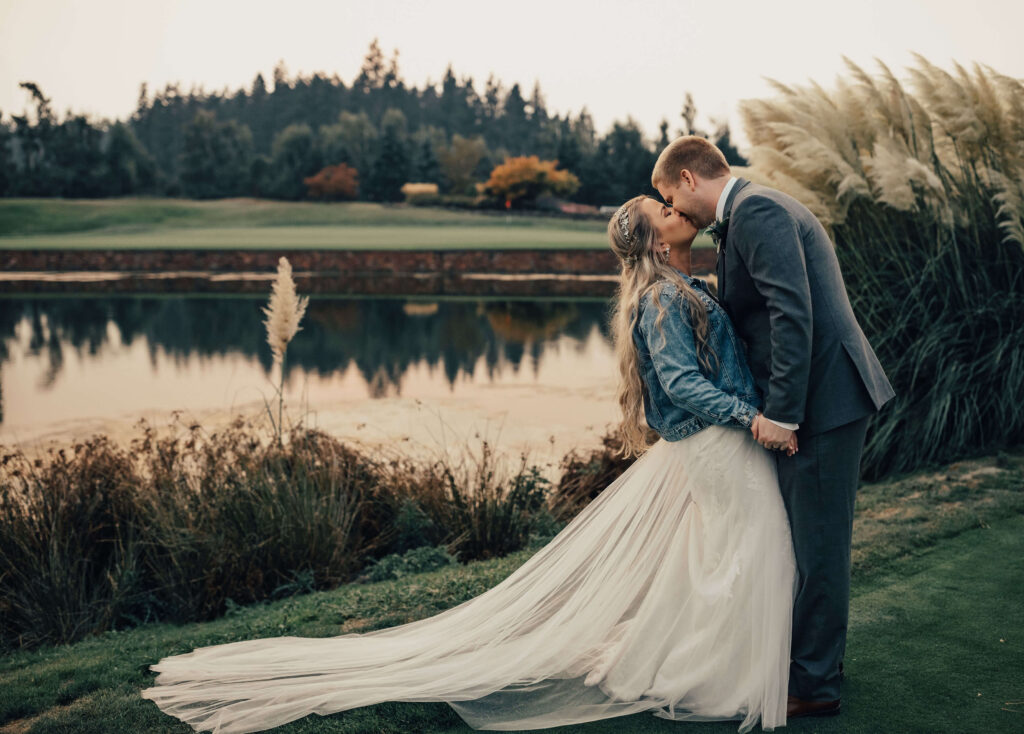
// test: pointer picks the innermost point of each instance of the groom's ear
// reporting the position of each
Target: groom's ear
(686, 178)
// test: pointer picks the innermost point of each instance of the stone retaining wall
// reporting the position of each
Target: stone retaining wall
(330, 262)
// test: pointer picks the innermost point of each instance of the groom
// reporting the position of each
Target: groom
(780, 282)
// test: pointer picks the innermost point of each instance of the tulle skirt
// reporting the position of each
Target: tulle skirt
(671, 592)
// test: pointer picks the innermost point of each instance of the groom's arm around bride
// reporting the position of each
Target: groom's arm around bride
(780, 282)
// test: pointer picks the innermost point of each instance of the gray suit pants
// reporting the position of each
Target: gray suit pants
(818, 487)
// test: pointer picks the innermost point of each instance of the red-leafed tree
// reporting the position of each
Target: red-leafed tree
(333, 183)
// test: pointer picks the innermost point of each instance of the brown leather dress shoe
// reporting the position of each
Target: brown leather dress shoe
(798, 707)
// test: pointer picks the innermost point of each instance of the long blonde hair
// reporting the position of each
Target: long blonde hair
(644, 268)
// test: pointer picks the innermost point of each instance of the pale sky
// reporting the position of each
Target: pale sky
(618, 59)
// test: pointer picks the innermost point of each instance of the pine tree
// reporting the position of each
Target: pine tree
(390, 169)
(538, 112)
(689, 114)
(722, 139)
(425, 166)
(281, 77)
(372, 74)
(514, 121)
(6, 160)
(259, 89)
(493, 94)
(663, 140)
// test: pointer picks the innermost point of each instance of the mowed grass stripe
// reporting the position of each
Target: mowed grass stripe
(20, 217)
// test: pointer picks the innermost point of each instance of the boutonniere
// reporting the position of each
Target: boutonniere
(718, 230)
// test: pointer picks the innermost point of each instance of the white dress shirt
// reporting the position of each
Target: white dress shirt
(719, 211)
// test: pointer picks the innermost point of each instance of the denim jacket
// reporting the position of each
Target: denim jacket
(680, 396)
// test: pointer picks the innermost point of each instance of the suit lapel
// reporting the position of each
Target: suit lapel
(726, 212)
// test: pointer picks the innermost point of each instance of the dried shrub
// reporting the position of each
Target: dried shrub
(69, 551)
(186, 526)
(477, 505)
(585, 476)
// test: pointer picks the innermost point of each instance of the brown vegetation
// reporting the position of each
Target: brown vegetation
(333, 183)
(524, 178)
(183, 527)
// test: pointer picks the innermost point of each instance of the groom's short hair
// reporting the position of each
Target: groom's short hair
(693, 153)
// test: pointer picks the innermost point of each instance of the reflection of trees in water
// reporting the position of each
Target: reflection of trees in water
(529, 323)
(382, 337)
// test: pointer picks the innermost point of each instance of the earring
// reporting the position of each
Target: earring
(667, 250)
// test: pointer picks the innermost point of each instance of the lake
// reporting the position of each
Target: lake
(71, 358)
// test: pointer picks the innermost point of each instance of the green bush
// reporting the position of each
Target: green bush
(423, 199)
(459, 201)
(413, 561)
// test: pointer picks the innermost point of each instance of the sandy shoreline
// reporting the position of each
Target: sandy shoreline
(543, 422)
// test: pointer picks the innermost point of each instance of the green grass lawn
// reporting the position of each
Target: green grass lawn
(132, 223)
(936, 640)
(344, 237)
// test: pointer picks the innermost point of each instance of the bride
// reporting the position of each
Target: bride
(671, 592)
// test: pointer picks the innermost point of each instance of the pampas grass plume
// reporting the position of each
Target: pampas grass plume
(284, 312)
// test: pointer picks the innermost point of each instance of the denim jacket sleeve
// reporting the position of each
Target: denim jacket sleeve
(675, 362)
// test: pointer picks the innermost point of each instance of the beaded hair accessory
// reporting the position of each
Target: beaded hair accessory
(622, 216)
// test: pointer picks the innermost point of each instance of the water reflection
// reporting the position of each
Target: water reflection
(77, 356)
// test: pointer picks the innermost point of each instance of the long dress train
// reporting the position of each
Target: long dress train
(671, 592)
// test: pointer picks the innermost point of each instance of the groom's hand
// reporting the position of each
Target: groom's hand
(772, 436)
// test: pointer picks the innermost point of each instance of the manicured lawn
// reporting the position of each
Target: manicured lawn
(52, 216)
(936, 639)
(344, 237)
(132, 223)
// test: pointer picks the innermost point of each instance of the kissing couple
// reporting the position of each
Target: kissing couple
(710, 581)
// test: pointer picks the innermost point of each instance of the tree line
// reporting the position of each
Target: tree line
(270, 142)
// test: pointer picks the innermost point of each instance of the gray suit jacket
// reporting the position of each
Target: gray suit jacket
(780, 282)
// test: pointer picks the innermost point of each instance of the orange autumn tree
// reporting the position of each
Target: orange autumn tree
(522, 179)
(333, 183)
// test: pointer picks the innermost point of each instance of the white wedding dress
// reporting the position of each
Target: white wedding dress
(671, 592)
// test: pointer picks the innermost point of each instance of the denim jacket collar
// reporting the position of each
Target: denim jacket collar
(688, 278)
(696, 283)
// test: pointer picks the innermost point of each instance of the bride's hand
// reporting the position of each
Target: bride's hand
(793, 446)
(754, 424)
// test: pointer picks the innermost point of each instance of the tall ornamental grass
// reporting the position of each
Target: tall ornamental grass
(183, 527)
(922, 186)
